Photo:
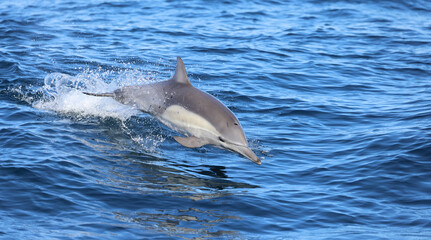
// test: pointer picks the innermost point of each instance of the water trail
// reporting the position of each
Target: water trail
(63, 93)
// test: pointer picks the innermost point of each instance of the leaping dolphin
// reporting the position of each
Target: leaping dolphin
(199, 116)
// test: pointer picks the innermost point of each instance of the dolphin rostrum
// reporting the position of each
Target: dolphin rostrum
(199, 116)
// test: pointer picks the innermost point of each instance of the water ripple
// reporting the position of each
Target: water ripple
(334, 96)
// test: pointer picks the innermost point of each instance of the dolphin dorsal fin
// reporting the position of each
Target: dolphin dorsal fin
(180, 75)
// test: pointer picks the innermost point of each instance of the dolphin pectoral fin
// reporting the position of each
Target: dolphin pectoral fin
(190, 142)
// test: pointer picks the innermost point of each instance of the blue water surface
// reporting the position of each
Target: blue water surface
(334, 96)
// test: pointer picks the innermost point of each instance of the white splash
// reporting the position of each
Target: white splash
(63, 93)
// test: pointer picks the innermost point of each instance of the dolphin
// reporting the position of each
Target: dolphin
(200, 117)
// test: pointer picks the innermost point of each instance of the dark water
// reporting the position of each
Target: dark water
(334, 96)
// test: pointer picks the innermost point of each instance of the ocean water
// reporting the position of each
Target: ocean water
(334, 96)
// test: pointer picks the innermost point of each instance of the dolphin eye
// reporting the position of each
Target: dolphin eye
(221, 139)
(235, 123)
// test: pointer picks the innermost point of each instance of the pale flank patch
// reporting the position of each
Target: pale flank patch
(183, 120)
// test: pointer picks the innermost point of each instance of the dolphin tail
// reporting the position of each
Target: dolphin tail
(99, 94)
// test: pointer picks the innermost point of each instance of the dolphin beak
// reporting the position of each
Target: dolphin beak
(248, 153)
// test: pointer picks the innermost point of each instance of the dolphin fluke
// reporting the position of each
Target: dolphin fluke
(99, 94)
